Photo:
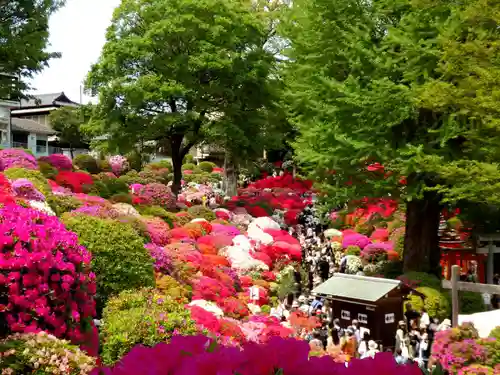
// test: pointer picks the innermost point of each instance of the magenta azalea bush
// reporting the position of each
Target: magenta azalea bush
(45, 278)
(24, 188)
(58, 161)
(198, 355)
(356, 239)
(155, 195)
(16, 158)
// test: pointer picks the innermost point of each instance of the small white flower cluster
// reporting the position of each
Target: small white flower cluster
(46, 354)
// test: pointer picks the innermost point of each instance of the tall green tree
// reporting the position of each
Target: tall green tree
(171, 68)
(24, 35)
(412, 85)
(67, 122)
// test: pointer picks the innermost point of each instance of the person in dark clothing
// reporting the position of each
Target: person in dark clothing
(337, 332)
(298, 280)
(324, 269)
(411, 314)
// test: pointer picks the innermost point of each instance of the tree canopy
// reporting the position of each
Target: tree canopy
(24, 37)
(67, 121)
(399, 97)
(170, 69)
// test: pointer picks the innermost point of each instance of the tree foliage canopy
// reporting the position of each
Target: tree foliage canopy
(172, 68)
(68, 121)
(413, 85)
(24, 36)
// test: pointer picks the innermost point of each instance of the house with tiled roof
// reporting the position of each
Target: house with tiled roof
(30, 124)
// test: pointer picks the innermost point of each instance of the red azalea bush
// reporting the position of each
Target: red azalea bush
(155, 195)
(235, 308)
(198, 355)
(45, 278)
(16, 158)
(78, 182)
(58, 161)
(211, 289)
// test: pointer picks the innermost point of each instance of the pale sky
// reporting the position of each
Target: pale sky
(78, 32)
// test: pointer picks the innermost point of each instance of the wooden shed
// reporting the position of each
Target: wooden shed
(376, 303)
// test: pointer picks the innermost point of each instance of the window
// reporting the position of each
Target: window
(4, 112)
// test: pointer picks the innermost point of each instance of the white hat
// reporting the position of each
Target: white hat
(447, 322)
(372, 345)
(302, 299)
(295, 304)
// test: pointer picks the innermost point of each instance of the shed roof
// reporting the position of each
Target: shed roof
(362, 288)
(30, 126)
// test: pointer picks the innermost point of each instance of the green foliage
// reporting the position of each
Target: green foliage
(436, 302)
(202, 178)
(47, 170)
(397, 83)
(188, 159)
(86, 163)
(42, 354)
(207, 166)
(188, 167)
(214, 62)
(121, 198)
(141, 317)
(365, 229)
(266, 309)
(107, 187)
(24, 31)
(36, 177)
(133, 177)
(495, 333)
(423, 279)
(162, 164)
(353, 250)
(119, 258)
(182, 218)
(157, 211)
(63, 203)
(67, 122)
(170, 287)
(470, 303)
(104, 166)
(202, 212)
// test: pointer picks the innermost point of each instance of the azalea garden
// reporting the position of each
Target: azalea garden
(375, 121)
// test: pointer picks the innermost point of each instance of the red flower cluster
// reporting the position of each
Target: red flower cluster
(78, 182)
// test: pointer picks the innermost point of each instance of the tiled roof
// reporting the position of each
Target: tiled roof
(30, 126)
(361, 288)
(45, 99)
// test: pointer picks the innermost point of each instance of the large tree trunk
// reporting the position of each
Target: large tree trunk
(421, 246)
(231, 175)
(175, 145)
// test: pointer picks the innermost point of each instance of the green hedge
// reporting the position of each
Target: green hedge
(470, 303)
(188, 166)
(202, 212)
(87, 163)
(119, 258)
(47, 170)
(63, 203)
(207, 166)
(157, 211)
(36, 177)
(143, 317)
(436, 302)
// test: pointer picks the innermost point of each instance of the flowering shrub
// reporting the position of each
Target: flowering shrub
(63, 203)
(458, 350)
(38, 180)
(141, 317)
(16, 158)
(162, 259)
(40, 258)
(41, 354)
(376, 252)
(158, 230)
(24, 188)
(119, 164)
(198, 355)
(58, 161)
(359, 240)
(78, 182)
(202, 212)
(86, 163)
(155, 195)
(119, 260)
(436, 302)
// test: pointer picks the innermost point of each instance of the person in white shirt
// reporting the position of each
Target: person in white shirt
(372, 349)
(424, 318)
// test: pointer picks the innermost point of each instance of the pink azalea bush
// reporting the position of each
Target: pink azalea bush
(58, 161)
(359, 240)
(45, 278)
(155, 195)
(16, 158)
(24, 188)
(199, 355)
(119, 164)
